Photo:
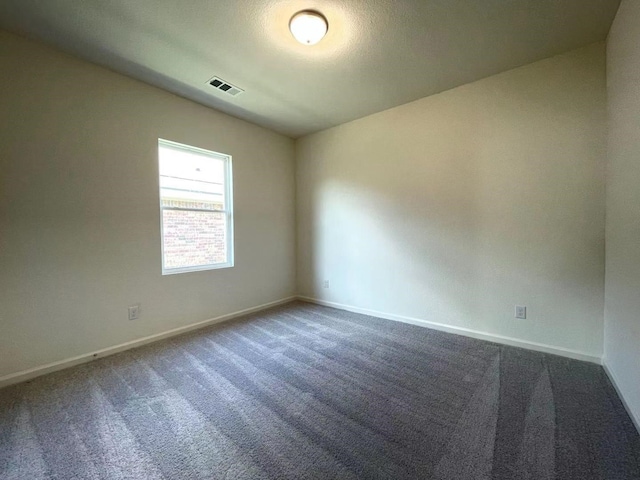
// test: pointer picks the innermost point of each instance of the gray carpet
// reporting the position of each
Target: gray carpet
(307, 392)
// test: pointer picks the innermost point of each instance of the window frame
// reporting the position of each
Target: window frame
(228, 207)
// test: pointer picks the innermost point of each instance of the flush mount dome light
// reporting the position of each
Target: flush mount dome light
(308, 27)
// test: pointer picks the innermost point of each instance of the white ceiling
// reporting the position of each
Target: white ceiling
(377, 54)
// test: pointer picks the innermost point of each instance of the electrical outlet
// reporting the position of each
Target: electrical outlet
(325, 284)
(134, 312)
(521, 312)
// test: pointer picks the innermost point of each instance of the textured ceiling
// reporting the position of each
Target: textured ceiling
(377, 54)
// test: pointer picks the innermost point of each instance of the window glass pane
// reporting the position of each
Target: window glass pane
(194, 238)
(190, 176)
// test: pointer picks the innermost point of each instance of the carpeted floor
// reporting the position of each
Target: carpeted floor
(302, 392)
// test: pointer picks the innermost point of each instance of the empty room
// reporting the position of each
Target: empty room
(304, 239)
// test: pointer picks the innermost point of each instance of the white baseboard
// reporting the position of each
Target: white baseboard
(24, 375)
(635, 419)
(69, 362)
(539, 347)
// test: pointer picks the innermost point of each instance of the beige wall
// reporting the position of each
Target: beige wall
(622, 308)
(79, 214)
(457, 207)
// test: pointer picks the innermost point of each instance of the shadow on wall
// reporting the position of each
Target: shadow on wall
(386, 232)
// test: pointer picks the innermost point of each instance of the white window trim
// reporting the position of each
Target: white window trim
(228, 196)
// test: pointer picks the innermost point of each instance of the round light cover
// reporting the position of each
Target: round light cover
(308, 27)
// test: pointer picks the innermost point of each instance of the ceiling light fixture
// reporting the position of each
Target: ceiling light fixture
(308, 27)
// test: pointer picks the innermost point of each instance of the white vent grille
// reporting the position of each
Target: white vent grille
(224, 86)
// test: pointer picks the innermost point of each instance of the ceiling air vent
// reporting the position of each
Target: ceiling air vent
(225, 86)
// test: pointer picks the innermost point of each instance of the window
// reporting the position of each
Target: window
(197, 208)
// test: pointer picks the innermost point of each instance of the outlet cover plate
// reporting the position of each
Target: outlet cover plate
(521, 312)
(134, 312)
